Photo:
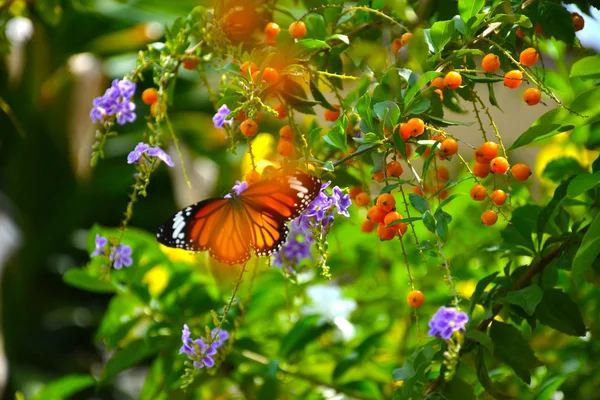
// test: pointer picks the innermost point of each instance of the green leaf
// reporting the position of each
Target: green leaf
(547, 389)
(439, 35)
(547, 212)
(482, 78)
(511, 348)
(318, 96)
(512, 19)
(481, 338)
(399, 142)
(587, 253)
(341, 38)
(337, 138)
(422, 81)
(468, 8)
(448, 122)
(582, 183)
(559, 120)
(363, 108)
(558, 311)
(484, 377)
(418, 202)
(479, 289)
(419, 106)
(65, 387)
(556, 21)
(562, 168)
(305, 331)
(407, 371)
(315, 26)
(457, 389)
(81, 279)
(587, 68)
(527, 298)
(388, 112)
(429, 221)
(442, 221)
(305, 47)
(492, 97)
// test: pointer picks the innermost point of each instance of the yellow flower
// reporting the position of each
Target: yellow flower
(176, 255)
(263, 148)
(157, 280)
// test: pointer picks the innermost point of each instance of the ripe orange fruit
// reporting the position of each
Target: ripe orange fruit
(241, 115)
(394, 169)
(513, 79)
(405, 131)
(150, 96)
(415, 299)
(406, 37)
(355, 191)
(391, 217)
(252, 177)
(190, 63)
(443, 173)
(498, 197)
(417, 190)
(481, 170)
(438, 82)
(538, 30)
(520, 34)
(489, 150)
(376, 215)
(285, 148)
(402, 228)
(271, 30)
(396, 45)
(489, 217)
(297, 29)
(532, 96)
(367, 226)
(386, 202)
(499, 165)
(439, 93)
(478, 192)
(362, 199)
(480, 157)
(385, 233)
(449, 147)
(248, 66)
(285, 133)
(490, 62)
(452, 80)
(529, 57)
(270, 75)
(520, 172)
(249, 128)
(281, 111)
(158, 108)
(578, 21)
(332, 115)
(416, 126)
(377, 176)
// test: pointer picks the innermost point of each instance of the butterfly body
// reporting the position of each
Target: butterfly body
(253, 219)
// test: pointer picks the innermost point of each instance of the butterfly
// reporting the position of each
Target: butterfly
(253, 219)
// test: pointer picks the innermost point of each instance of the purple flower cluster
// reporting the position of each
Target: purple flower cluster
(238, 188)
(447, 321)
(116, 101)
(119, 255)
(319, 215)
(142, 148)
(198, 351)
(219, 118)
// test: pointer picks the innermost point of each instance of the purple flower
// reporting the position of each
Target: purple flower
(198, 351)
(100, 243)
(296, 251)
(121, 256)
(116, 101)
(125, 112)
(238, 188)
(342, 201)
(187, 341)
(446, 321)
(219, 118)
(136, 154)
(125, 87)
(219, 336)
(161, 154)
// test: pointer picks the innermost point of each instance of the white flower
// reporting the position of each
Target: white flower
(328, 302)
(19, 30)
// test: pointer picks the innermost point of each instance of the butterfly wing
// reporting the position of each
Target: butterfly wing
(271, 203)
(216, 225)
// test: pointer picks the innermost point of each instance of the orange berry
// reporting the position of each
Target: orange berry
(489, 217)
(520, 172)
(402, 228)
(362, 199)
(252, 177)
(150, 96)
(385, 233)
(285, 133)
(391, 217)
(529, 57)
(190, 63)
(396, 45)
(538, 30)
(481, 170)
(157, 108)
(332, 115)
(452, 80)
(478, 192)
(498, 197)
(532, 96)
(499, 165)
(281, 111)
(489, 150)
(438, 82)
(417, 190)
(377, 176)
(248, 66)
(443, 173)
(241, 115)
(270, 75)
(416, 126)
(271, 30)
(406, 37)
(578, 21)
(449, 147)
(376, 215)
(249, 128)
(367, 226)
(355, 191)
(490, 62)
(405, 131)
(513, 79)
(386, 202)
(285, 148)
(415, 298)
(297, 29)
(394, 169)
(520, 34)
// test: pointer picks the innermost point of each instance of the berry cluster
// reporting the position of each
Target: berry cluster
(383, 215)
